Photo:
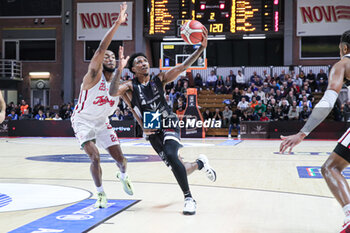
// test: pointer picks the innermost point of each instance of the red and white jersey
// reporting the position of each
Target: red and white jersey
(95, 105)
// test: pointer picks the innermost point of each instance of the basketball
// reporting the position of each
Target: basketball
(191, 32)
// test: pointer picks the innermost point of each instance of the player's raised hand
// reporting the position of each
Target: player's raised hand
(122, 15)
(122, 61)
(291, 141)
(205, 37)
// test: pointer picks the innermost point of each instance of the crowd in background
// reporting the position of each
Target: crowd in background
(285, 96)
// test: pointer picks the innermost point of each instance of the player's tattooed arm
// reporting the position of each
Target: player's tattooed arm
(173, 73)
(2, 108)
(113, 89)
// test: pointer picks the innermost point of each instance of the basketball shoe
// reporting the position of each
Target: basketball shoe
(127, 186)
(101, 200)
(209, 171)
(190, 206)
(346, 228)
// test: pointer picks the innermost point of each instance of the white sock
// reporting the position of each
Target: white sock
(122, 175)
(100, 189)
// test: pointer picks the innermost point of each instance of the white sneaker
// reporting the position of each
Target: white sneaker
(229, 136)
(238, 136)
(190, 206)
(209, 171)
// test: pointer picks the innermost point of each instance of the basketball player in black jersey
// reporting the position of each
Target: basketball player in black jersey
(340, 157)
(145, 94)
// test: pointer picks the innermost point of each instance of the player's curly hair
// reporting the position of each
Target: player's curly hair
(345, 38)
(131, 60)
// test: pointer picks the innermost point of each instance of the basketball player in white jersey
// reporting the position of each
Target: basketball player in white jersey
(340, 157)
(2, 108)
(90, 117)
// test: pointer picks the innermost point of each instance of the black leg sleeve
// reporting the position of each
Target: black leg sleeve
(171, 148)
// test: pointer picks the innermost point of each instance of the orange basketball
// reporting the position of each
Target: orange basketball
(191, 32)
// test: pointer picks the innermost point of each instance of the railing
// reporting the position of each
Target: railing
(10, 69)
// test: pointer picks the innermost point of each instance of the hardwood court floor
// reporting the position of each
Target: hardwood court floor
(257, 190)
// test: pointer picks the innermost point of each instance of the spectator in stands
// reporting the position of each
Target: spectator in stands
(279, 115)
(278, 95)
(233, 80)
(260, 108)
(184, 88)
(257, 80)
(298, 81)
(211, 79)
(261, 93)
(244, 94)
(218, 115)
(234, 124)
(128, 114)
(40, 116)
(172, 96)
(272, 93)
(270, 112)
(264, 75)
(118, 115)
(321, 81)
(265, 87)
(24, 106)
(236, 96)
(283, 89)
(240, 80)
(253, 103)
(180, 110)
(296, 88)
(178, 86)
(291, 97)
(257, 96)
(219, 87)
(226, 114)
(249, 93)
(198, 82)
(305, 113)
(228, 85)
(268, 80)
(285, 109)
(302, 76)
(293, 113)
(264, 117)
(48, 115)
(26, 115)
(207, 114)
(57, 117)
(13, 115)
(306, 102)
(275, 86)
(243, 104)
(311, 77)
(281, 77)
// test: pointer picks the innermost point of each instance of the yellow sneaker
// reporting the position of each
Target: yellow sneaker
(127, 186)
(101, 200)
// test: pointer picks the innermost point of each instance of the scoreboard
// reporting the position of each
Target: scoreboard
(220, 17)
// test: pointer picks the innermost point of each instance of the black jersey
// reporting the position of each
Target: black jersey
(150, 98)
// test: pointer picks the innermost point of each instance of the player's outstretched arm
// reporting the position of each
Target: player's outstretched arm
(113, 89)
(173, 73)
(2, 108)
(321, 110)
(95, 66)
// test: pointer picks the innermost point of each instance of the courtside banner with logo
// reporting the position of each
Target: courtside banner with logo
(79, 217)
(95, 19)
(322, 17)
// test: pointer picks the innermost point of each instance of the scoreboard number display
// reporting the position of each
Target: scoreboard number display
(220, 17)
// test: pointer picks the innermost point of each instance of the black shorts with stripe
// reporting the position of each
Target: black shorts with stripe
(343, 146)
